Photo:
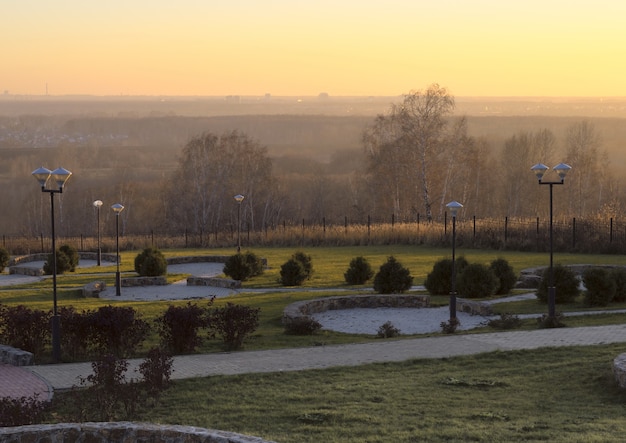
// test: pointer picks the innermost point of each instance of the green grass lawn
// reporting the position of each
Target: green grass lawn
(564, 394)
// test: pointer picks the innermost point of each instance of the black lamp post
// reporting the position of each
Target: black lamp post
(117, 208)
(561, 169)
(239, 198)
(97, 204)
(453, 207)
(60, 177)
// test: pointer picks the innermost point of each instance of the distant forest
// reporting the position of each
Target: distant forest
(131, 155)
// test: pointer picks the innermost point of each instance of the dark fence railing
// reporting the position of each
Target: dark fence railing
(523, 234)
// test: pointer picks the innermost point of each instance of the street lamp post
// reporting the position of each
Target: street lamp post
(561, 169)
(97, 204)
(239, 198)
(60, 177)
(453, 207)
(117, 208)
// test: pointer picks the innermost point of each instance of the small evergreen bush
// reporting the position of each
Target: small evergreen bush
(619, 277)
(150, 263)
(243, 266)
(600, 287)
(387, 330)
(302, 326)
(477, 281)
(4, 258)
(450, 326)
(439, 280)
(505, 274)
(72, 255)
(64, 263)
(307, 263)
(565, 282)
(292, 273)
(506, 321)
(234, 323)
(392, 278)
(359, 271)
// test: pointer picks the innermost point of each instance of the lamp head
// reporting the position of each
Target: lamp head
(454, 207)
(60, 176)
(539, 169)
(562, 169)
(42, 175)
(239, 198)
(117, 208)
(97, 204)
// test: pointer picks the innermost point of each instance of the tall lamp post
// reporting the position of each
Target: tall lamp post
(97, 204)
(239, 198)
(453, 207)
(60, 177)
(561, 169)
(117, 208)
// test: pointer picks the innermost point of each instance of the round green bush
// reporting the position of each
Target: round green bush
(292, 273)
(600, 287)
(439, 280)
(150, 263)
(619, 277)
(243, 266)
(72, 256)
(565, 282)
(358, 272)
(477, 281)
(392, 278)
(505, 274)
(4, 258)
(306, 261)
(64, 263)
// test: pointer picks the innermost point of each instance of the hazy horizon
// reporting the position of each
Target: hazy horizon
(484, 48)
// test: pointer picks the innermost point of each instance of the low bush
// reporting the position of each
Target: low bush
(506, 321)
(150, 263)
(64, 263)
(24, 328)
(72, 254)
(450, 326)
(547, 322)
(116, 330)
(387, 330)
(156, 371)
(439, 280)
(505, 274)
(359, 271)
(22, 411)
(234, 323)
(619, 277)
(565, 282)
(243, 266)
(179, 327)
(76, 327)
(477, 281)
(4, 258)
(302, 326)
(392, 278)
(307, 263)
(600, 287)
(292, 273)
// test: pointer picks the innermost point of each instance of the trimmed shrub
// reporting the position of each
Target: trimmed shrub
(64, 263)
(506, 321)
(292, 273)
(387, 330)
(22, 411)
(234, 323)
(75, 327)
(392, 278)
(477, 281)
(116, 330)
(4, 258)
(179, 326)
(565, 282)
(150, 263)
(449, 327)
(307, 263)
(24, 328)
(619, 277)
(72, 255)
(600, 287)
(359, 271)
(505, 275)
(439, 280)
(243, 266)
(302, 326)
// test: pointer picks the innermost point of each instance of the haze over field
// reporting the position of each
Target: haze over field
(284, 48)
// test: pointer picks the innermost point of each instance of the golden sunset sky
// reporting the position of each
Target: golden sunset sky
(305, 47)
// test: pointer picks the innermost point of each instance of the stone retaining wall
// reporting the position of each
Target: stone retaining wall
(120, 432)
(15, 268)
(144, 281)
(202, 259)
(15, 357)
(473, 307)
(213, 281)
(305, 308)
